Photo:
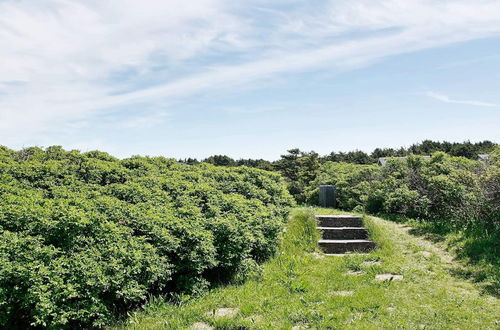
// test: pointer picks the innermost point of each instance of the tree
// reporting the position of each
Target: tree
(299, 168)
(189, 161)
(220, 160)
(256, 163)
(358, 157)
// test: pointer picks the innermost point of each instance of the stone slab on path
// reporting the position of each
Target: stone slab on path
(388, 277)
(223, 312)
(201, 326)
(343, 293)
(426, 254)
(354, 272)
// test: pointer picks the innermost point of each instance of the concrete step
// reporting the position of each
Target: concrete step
(346, 245)
(343, 232)
(339, 221)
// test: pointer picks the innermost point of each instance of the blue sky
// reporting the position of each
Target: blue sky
(247, 78)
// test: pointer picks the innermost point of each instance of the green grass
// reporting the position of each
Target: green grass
(300, 287)
(477, 255)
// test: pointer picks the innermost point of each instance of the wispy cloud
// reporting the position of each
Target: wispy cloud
(447, 99)
(253, 110)
(72, 60)
(146, 120)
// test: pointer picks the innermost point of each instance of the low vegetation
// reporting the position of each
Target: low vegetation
(457, 191)
(304, 289)
(85, 236)
(295, 156)
(451, 200)
(478, 255)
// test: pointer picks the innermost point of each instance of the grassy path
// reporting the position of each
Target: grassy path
(308, 290)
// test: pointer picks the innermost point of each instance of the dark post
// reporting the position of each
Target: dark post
(327, 196)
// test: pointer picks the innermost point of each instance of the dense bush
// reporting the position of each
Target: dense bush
(351, 182)
(84, 237)
(460, 192)
(300, 168)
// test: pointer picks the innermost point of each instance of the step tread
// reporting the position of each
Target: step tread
(341, 228)
(336, 233)
(340, 222)
(343, 241)
(348, 253)
(343, 233)
(337, 216)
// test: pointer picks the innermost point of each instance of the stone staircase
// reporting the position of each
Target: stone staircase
(342, 234)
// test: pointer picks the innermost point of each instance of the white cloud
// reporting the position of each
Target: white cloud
(447, 99)
(146, 120)
(91, 39)
(60, 54)
(60, 59)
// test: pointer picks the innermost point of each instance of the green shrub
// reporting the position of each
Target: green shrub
(85, 237)
(351, 183)
(490, 199)
(457, 191)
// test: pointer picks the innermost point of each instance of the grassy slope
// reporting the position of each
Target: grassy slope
(300, 289)
(478, 255)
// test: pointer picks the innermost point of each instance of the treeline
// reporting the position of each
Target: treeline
(300, 168)
(465, 149)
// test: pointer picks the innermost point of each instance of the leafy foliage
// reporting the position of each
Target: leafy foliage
(300, 168)
(460, 192)
(85, 236)
(299, 289)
